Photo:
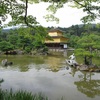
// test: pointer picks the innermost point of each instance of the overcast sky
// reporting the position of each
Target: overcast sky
(68, 16)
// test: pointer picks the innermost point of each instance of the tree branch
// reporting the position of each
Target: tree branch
(25, 17)
(85, 6)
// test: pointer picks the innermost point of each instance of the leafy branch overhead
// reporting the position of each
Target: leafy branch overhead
(92, 7)
(17, 9)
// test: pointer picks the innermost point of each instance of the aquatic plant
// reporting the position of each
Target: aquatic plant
(20, 95)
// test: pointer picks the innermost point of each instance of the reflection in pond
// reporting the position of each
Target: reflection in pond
(54, 63)
(1, 80)
(73, 71)
(51, 76)
(87, 85)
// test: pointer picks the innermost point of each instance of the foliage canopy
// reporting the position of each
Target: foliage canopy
(17, 9)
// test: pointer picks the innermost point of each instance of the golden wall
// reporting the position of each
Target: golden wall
(57, 40)
(54, 34)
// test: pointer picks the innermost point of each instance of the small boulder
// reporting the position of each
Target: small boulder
(84, 68)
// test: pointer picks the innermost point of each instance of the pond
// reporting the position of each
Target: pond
(51, 76)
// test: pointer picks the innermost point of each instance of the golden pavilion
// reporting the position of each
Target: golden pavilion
(57, 41)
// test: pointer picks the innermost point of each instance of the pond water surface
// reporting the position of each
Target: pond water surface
(51, 76)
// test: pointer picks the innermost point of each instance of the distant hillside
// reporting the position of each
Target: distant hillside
(5, 30)
(73, 27)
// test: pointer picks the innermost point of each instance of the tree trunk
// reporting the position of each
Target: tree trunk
(90, 59)
(86, 62)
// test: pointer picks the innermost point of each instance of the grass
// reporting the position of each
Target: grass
(20, 95)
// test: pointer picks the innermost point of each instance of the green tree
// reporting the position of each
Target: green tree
(88, 43)
(39, 38)
(13, 39)
(73, 41)
(32, 38)
(5, 46)
(25, 38)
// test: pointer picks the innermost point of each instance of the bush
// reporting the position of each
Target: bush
(6, 46)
